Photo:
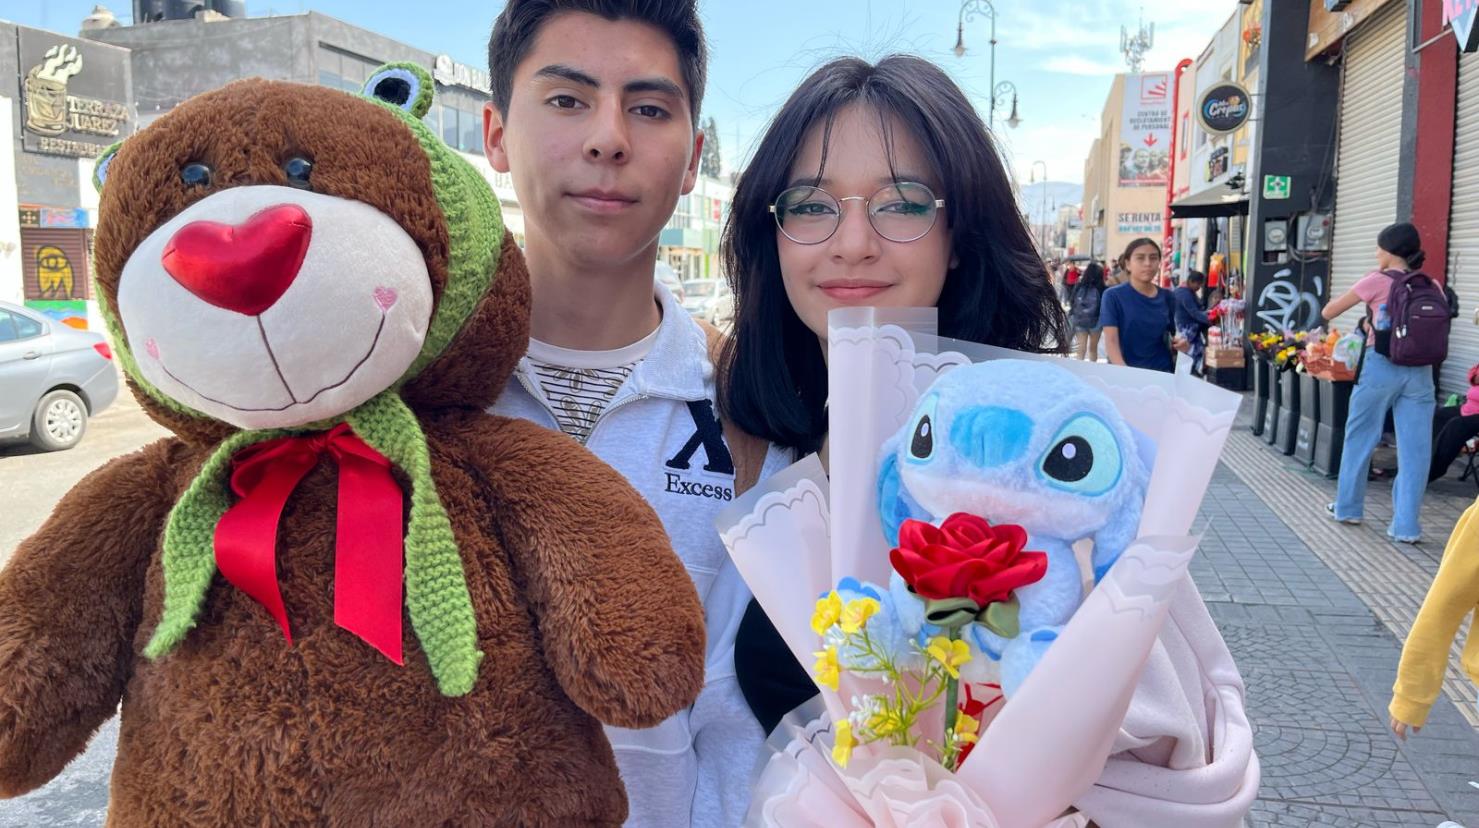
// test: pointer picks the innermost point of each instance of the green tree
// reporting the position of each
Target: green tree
(710, 163)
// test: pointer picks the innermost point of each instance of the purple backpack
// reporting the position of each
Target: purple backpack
(1419, 313)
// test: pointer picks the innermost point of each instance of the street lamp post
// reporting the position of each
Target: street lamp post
(1043, 216)
(969, 10)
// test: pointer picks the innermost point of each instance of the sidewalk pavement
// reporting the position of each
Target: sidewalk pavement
(1315, 612)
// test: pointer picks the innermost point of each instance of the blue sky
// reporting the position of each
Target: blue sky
(1060, 53)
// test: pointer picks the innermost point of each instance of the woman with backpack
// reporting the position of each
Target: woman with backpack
(1083, 309)
(1403, 342)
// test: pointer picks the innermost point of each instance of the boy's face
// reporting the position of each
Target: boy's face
(599, 136)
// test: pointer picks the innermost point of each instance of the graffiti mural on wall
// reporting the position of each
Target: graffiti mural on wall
(1282, 306)
(54, 272)
(69, 312)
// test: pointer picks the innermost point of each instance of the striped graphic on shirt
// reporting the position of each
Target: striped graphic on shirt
(579, 395)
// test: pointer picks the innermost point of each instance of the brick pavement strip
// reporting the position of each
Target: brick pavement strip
(1389, 578)
(1314, 613)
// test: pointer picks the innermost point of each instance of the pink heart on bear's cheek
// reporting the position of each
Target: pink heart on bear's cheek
(385, 297)
(152, 347)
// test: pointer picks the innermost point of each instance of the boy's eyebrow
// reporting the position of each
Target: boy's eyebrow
(560, 71)
(661, 85)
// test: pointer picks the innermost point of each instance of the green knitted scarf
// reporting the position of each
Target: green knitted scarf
(436, 591)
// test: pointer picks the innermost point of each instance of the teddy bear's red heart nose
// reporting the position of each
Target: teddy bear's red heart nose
(241, 267)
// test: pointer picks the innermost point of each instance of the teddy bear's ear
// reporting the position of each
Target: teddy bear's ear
(404, 85)
(100, 167)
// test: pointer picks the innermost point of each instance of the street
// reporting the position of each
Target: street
(1313, 611)
(32, 481)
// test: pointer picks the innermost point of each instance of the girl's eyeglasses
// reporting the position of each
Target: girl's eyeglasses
(901, 212)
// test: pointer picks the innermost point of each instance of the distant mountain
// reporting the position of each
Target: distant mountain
(1058, 193)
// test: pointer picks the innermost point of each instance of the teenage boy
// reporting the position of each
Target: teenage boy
(594, 113)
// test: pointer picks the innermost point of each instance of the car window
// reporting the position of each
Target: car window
(7, 328)
(25, 327)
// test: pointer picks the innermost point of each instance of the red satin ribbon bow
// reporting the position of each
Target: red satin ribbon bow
(368, 548)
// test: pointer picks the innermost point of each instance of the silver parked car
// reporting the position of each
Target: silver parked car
(52, 378)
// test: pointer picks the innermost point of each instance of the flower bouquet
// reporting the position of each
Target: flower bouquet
(982, 586)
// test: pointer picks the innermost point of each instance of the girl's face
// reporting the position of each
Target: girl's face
(857, 265)
(1144, 264)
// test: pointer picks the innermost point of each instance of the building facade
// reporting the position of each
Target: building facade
(1126, 173)
(173, 60)
(73, 98)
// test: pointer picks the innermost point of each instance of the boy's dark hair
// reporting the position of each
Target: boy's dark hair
(773, 377)
(518, 25)
(1196, 277)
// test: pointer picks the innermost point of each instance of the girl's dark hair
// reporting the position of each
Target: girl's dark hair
(772, 376)
(1092, 277)
(1403, 241)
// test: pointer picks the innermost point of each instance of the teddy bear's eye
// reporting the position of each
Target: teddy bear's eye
(196, 174)
(298, 169)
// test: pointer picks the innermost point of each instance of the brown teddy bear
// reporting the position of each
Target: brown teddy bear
(423, 611)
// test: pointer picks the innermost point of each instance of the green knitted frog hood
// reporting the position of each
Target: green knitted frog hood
(275, 259)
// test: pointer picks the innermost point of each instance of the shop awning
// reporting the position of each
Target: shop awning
(1213, 202)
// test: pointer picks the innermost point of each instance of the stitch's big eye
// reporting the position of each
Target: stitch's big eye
(922, 442)
(195, 174)
(1084, 458)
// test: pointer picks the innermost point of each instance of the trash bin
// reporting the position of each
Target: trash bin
(1288, 428)
(1260, 393)
(1306, 437)
(1275, 402)
(1335, 406)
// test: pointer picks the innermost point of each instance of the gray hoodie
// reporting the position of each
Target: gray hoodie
(661, 432)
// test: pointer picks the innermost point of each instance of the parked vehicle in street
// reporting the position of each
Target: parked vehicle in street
(668, 277)
(52, 379)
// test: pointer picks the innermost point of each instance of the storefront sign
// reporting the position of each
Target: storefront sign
(1224, 108)
(1145, 131)
(34, 216)
(74, 95)
(1217, 163)
(1138, 224)
(1461, 14)
(448, 72)
(1276, 187)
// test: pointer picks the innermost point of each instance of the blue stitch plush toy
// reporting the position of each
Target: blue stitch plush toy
(1027, 443)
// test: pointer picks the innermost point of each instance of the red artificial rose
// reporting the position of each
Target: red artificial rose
(966, 557)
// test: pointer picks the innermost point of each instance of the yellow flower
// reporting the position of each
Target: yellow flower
(885, 723)
(856, 614)
(829, 609)
(827, 670)
(967, 729)
(951, 654)
(842, 747)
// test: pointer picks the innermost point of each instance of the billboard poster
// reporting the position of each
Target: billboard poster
(1145, 131)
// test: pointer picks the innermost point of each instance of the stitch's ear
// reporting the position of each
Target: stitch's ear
(894, 503)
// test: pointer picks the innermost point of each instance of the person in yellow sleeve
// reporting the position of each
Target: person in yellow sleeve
(1453, 595)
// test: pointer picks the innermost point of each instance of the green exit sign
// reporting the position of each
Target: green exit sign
(1276, 186)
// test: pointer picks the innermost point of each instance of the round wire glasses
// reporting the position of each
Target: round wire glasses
(903, 211)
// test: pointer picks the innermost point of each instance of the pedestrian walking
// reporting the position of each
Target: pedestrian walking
(1383, 385)
(1083, 307)
(1137, 316)
(1192, 321)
